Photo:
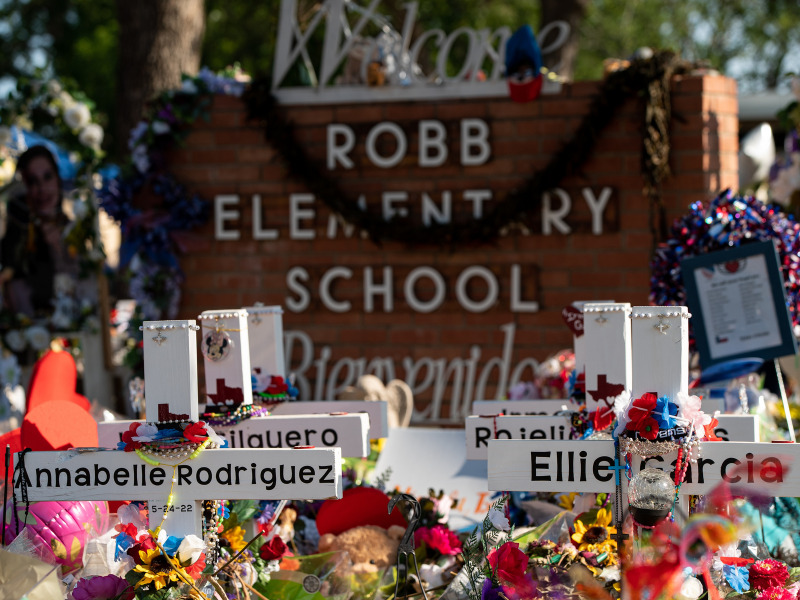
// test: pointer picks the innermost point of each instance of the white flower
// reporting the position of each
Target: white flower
(66, 100)
(145, 433)
(190, 549)
(15, 340)
(16, 397)
(691, 589)
(53, 87)
(498, 519)
(77, 116)
(432, 574)
(91, 135)
(188, 87)
(38, 337)
(5, 135)
(610, 573)
(141, 159)
(725, 551)
(160, 127)
(131, 513)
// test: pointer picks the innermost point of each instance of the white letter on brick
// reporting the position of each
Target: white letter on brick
(432, 135)
(399, 153)
(477, 197)
(387, 203)
(597, 206)
(325, 292)
(221, 215)
(296, 213)
(431, 212)
(384, 289)
(258, 233)
(339, 153)
(554, 218)
(293, 278)
(474, 134)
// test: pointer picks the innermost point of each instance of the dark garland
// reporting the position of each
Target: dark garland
(647, 79)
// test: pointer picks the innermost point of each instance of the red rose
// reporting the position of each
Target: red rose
(602, 418)
(274, 549)
(438, 538)
(509, 563)
(127, 437)
(196, 432)
(768, 573)
(195, 569)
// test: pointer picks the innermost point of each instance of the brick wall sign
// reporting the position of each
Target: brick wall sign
(458, 324)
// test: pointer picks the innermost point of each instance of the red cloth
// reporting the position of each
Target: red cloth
(54, 377)
(58, 425)
(358, 506)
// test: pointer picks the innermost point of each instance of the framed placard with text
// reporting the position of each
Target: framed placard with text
(738, 304)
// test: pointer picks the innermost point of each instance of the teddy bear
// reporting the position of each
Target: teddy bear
(370, 548)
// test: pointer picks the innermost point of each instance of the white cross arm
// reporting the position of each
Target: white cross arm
(303, 474)
(376, 409)
(556, 466)
(479, 430)
(349, 432)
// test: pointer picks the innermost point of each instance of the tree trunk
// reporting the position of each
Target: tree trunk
(159, 40)
(571, 11)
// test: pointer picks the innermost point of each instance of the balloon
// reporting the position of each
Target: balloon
(60, 529)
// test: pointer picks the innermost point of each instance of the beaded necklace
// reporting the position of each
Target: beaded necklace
(244, 412)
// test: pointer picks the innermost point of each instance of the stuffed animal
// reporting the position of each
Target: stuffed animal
(370, 548)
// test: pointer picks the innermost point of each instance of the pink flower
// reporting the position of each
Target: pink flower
(767, 574)
(690, 410)
(438, 538)
(776, 593)
(109, 587)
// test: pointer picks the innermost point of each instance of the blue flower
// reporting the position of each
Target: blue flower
(121, 445)
(171, 545)
(664, 413)
(124, 541)
(167, 433)
(737, 577)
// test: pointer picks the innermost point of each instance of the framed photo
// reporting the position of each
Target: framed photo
(738, 304)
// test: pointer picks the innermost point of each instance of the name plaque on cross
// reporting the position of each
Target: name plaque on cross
(171, 364)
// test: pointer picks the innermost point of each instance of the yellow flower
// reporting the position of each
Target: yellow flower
(157, 569)
(567, 501)
(597, 536)
(235, 538)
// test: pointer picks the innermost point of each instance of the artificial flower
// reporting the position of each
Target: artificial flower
(157, 570)
(737, 577)
(91, 136)
(768, 573)
(77, 116)
(197, 567)
(776, 593)
(128, 529)
(167, 433)
(196, 432)
(711, 434)
(691, 413)
(489, 591)
(128, 443)
(642, 407)
(664, 413)
(144, 433)
(438, 538)
(109, 587)
(602, 418)
(123, 543)
(277, 386)
(509, 563)
(646, 428)
(275, 549)
(190, 549)
(235, 537)
(610, 573)
(730, 550)
(171, 544)
(221, 442)
(596, 537)
(498, 519)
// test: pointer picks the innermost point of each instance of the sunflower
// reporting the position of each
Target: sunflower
(235, 538)
(157, 569)
(567, 501)
(597, 536)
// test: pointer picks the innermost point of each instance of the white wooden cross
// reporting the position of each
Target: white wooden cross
(170, 362)
(349, 432)
(266, 340)
(608, 361)
(660, 365)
